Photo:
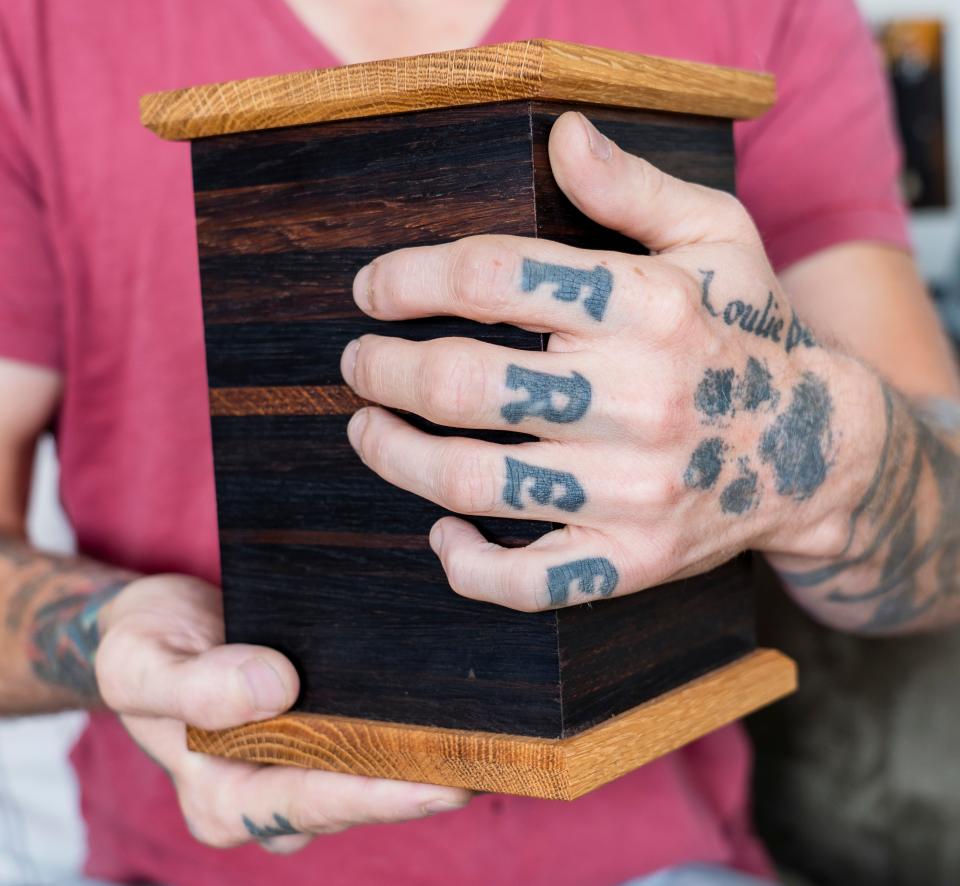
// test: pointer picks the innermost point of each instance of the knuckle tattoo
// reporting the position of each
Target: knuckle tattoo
(559, 489)
(554, 398)
(278, 826)
(570, 284)
(587, 577)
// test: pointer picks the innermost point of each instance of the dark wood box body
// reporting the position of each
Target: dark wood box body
(323, 560)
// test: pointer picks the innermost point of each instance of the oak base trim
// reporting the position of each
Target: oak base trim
(560, 769)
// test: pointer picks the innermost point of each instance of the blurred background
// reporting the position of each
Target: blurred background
(866, 754)
(920, 40)
(857, 776)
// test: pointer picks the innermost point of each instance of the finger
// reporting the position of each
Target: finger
(630, 195)
(469, 476)
(562, 568)
(464, 383)
(140, 673)
(227, 803)
(534, 284)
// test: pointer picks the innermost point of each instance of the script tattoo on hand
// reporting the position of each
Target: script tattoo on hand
(280, 827)
(589, 577)
(914, 558)
(762, 323)
(549, 487)
(570, 284)
(554, 398)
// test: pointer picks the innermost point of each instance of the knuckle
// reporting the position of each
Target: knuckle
(512, 588)
(479, 273)
(517, 589)
(453, 385)
(660, 561)
(204, 703)
(464, 574)
(734, 214)
(730, 206)
(676, 309)
(524, 598)
(667, 417)
(464, 484)
(663, 491)
(204, 825)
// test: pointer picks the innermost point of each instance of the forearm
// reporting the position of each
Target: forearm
(49, 607)
(897, 571)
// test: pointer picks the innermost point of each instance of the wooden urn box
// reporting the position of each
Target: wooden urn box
(302, 179)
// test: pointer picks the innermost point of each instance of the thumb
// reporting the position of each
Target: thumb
(224, 686)
(627, 194)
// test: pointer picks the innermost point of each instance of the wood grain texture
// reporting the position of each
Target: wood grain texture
(322, 559)
(512, 764)
(533, 69)
(287, 400)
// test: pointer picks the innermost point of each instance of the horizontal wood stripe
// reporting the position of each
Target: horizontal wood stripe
(310, 538)
(318, 400)
(550, 768)
(543, 69)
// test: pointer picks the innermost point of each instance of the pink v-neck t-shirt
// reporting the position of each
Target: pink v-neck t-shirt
(98, 278)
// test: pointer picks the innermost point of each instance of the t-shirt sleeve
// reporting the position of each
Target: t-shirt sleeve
(821, 167)
(30, 316)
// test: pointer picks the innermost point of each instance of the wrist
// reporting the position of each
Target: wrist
(816, 527)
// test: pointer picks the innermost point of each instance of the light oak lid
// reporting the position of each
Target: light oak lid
(532, 69)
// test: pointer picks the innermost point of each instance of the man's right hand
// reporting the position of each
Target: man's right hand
(162, 663)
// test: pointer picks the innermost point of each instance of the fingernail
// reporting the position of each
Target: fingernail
(435, 807)
(599, 144)
(361, 287)
(349, 361)
(267, 692)
(356, 426)
(436, 539)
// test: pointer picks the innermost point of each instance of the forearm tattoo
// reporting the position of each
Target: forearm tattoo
(65, 638)
(904, 534)
(593, 576)
(51, 614)
(545, 486)
(591, 287)
(280, 827)
(554, 398)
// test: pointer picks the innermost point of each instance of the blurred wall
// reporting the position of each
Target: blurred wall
(936, 233)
